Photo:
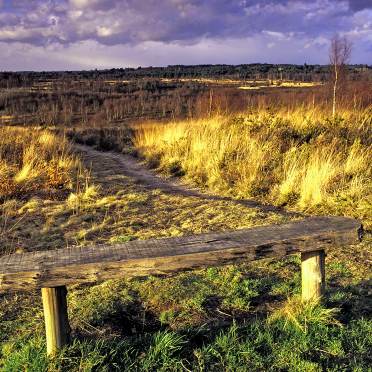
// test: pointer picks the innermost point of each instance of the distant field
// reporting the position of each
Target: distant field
(114, 98)
(278, 84)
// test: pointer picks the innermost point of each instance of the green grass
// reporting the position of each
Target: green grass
(256, 345)
(234, 318)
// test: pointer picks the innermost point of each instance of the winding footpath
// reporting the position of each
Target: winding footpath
(114, 168)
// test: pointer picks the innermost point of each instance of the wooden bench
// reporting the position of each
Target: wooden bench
(53, 270)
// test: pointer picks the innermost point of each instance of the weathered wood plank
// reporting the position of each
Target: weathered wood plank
(161, 256)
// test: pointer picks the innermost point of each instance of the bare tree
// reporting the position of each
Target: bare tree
(339, 55)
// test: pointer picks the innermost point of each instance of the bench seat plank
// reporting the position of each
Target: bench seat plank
(74, 265)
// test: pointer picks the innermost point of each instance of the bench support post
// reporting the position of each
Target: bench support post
(56, 319)
(313, 275)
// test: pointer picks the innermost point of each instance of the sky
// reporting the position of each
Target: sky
(89, 34)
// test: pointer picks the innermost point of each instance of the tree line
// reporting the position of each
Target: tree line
(258, 71)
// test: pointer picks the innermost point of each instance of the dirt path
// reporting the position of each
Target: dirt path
(115, 170)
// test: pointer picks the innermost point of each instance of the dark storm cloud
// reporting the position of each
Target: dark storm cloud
(360, 4)
(133, 21)
(133, 24)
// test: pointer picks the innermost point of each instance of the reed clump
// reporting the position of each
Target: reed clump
(296, 158)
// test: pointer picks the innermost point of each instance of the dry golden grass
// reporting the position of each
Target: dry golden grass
(277, 84)
(33, 160)
(298, 158)
(298, 314)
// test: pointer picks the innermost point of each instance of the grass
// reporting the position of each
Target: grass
(297, 314)
(278, 83)
(234, 318)
(33, 162)
(262, 344)
(300, 159)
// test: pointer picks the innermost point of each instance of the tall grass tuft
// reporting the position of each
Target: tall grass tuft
(300, 315)
(33, 160)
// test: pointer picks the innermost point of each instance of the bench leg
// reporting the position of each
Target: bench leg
(313, 275)
(56, 319)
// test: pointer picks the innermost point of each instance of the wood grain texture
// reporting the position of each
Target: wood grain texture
(162, 256)
(57, 327)
(312, 275)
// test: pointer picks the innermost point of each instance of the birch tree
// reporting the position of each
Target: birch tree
(339, 56)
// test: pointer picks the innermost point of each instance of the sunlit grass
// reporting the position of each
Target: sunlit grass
(298, 314)
(33, 160)
(277, 84)
(297, 158)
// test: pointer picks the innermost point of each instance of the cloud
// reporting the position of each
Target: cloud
(188, 24)
(134, 21)
(360, 4)
(91, 54)
(79, 3)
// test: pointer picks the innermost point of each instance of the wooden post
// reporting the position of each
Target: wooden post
(313, 275)
(56, 319)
